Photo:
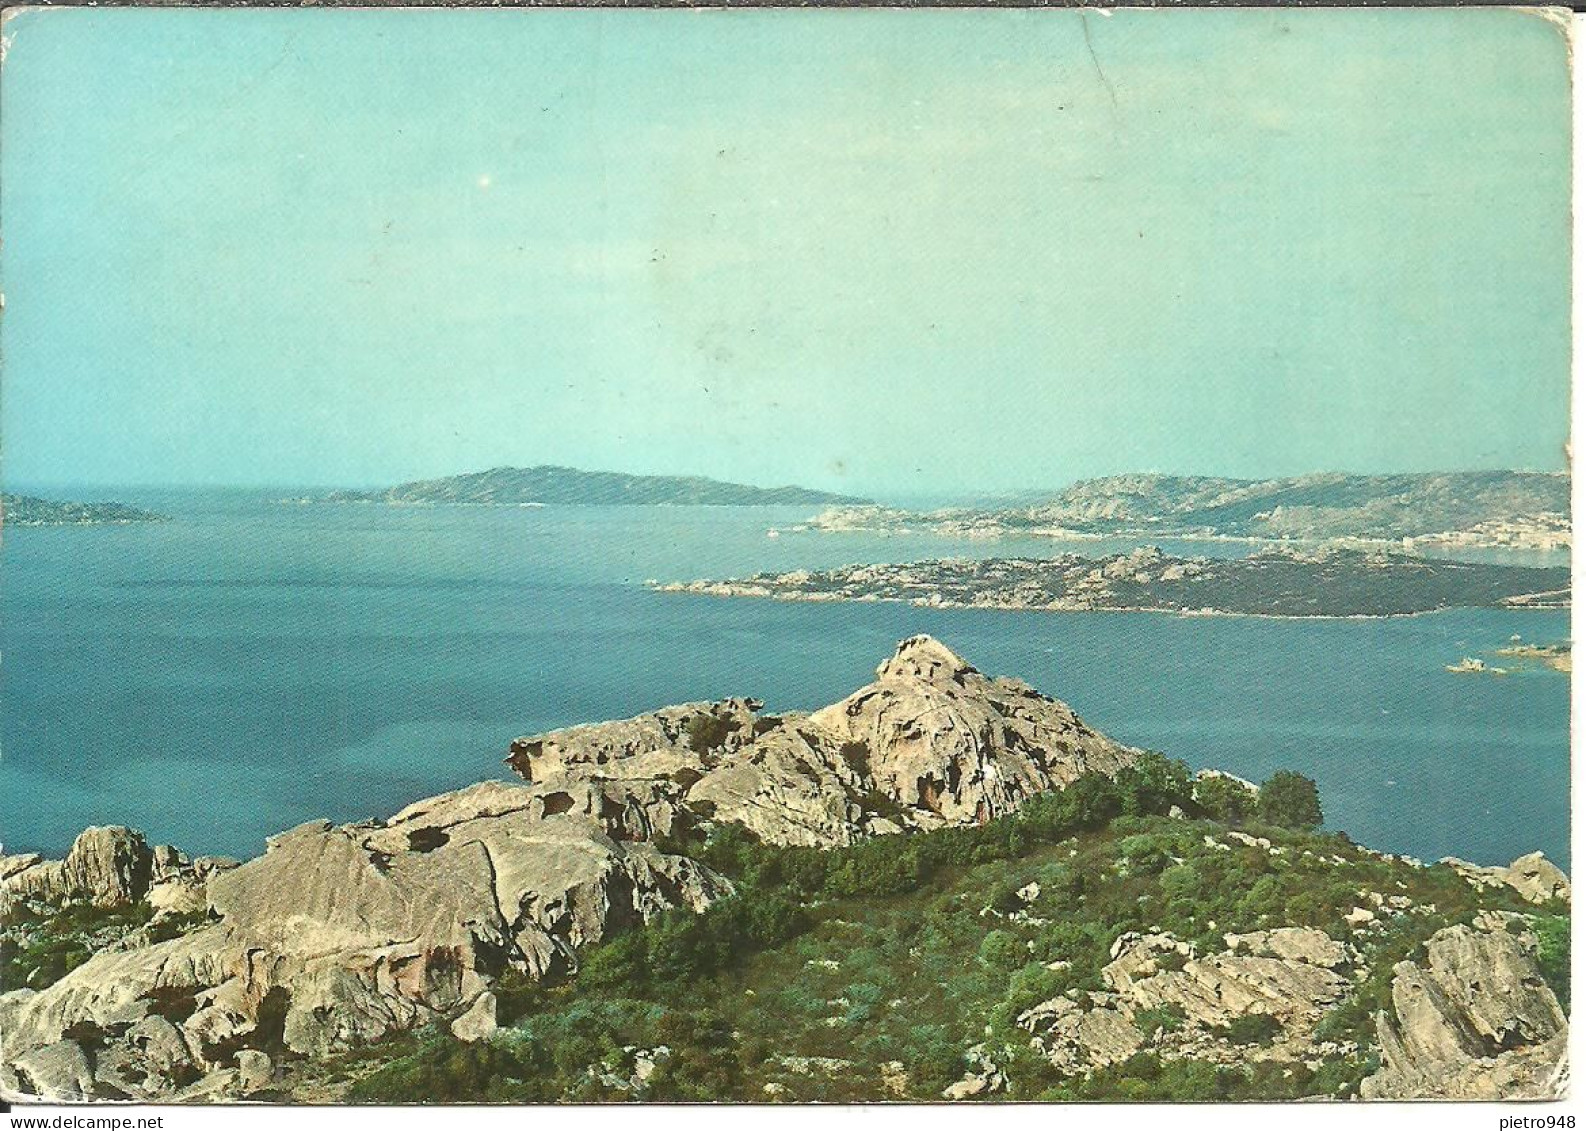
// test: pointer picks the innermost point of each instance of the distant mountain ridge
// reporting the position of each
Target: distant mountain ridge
(567, 486)
(1469, 507)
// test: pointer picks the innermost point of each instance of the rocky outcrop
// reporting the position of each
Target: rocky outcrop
(931, 742)
(943, 738)
(338, 935)
(1534, 876)
(107, 866)
(1474, 1021)
(111, 866)
(1162, 995)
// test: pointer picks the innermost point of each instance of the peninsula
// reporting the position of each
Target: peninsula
(1506, 509)
(566, 486)
(29, 510)
(944, 886)
(1276, 582)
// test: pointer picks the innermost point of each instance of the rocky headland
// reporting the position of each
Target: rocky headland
(1278, 582)
(29, 510)
(689, 881)
(1520, 510)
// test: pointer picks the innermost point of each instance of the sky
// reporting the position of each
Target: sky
(870, 251)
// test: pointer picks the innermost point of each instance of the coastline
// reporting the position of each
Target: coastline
(673, 589)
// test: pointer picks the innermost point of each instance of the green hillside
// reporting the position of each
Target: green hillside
(895, 970)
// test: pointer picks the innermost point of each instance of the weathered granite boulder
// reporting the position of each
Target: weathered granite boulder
(795, 783)
(654, 745)
(1288, 974)
(1291, 975)
(255, 1071)
(1475, 1022)
(942, 737)
(1534, 876)
(60, 1071)
(478, 1021)
(111, 866)
(107, 865)
(338, 935)
(1076, 1038)
(1297, 944)
(11, 865)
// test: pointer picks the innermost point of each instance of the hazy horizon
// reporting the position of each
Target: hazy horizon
(928, 254)
(900, 497)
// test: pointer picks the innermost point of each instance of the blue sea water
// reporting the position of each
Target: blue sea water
(253, 665)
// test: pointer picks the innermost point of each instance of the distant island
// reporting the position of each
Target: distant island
(567, 486)
(1278, 582)
(29, 510)
(1555, 656)
(1509, 509)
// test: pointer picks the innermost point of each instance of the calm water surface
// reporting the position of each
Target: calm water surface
(249, 666)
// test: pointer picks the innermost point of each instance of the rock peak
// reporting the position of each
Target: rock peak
(925, 658)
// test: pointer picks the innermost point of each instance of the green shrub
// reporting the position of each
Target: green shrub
(1290, 800)
(1154, 783)
(1552, 953)
(1251, 1029)
(1223, 799)
(1005, 897)
(1169, 1016)
(863, 998)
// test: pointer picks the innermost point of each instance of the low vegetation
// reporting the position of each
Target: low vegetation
(39, 947)
(870, 972)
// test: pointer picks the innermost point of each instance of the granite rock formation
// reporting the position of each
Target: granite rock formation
(931, 742)
(1474, 1021)
(1534, 876)
(340, 935)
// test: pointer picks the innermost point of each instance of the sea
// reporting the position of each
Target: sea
(254, 664)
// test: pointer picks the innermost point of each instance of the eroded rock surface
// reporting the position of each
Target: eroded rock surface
(931, 742)
(110, 866)
(1534, 876)
(338, 935)
(1475, 1021)
(1163, 995)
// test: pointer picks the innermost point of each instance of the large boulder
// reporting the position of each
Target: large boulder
(1534, 876)
(111, 866)
(60, 1072)
(944, 738)
(108, 865)
(1475, 1022)
(339, 935)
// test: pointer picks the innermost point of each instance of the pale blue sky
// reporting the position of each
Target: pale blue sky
(875, 251)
